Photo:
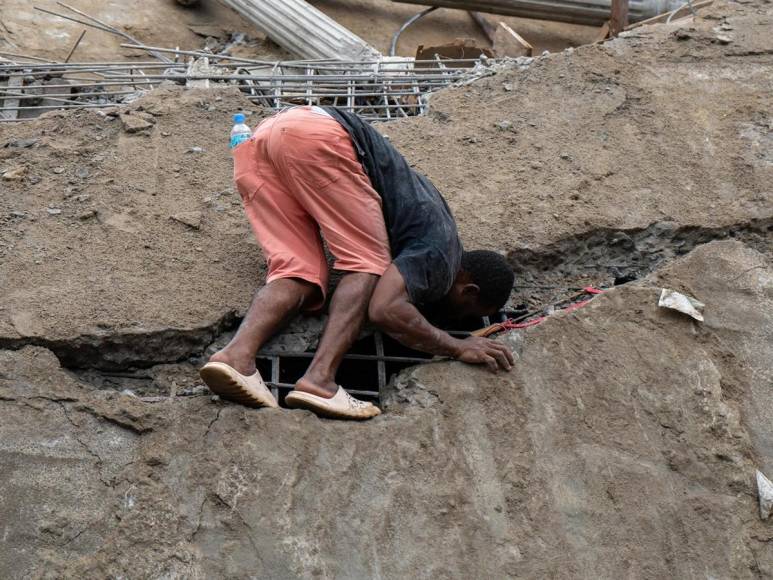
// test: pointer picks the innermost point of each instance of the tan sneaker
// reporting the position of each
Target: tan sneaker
(340, 406)
(230, 384)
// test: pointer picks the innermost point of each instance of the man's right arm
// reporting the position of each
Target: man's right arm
(391, 310)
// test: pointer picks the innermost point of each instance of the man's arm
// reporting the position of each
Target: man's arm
(391, 310)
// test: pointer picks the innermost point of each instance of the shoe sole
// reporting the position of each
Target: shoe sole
(220, 382)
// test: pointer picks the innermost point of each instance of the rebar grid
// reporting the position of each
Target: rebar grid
(377, 90)
(276, 361)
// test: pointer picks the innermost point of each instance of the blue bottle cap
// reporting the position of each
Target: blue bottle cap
(239, 118)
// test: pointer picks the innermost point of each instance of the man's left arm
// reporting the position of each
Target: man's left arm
(391, 310)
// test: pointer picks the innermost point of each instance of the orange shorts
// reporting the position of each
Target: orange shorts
(298, 176)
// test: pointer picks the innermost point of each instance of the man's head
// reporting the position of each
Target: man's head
(482, 286)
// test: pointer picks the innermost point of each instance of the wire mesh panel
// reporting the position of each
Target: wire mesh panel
(384, 89)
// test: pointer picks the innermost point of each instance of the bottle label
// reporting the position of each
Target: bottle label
(238, 139)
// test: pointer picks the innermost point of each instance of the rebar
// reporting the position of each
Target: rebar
(411, 20)
(98, 24)
(375, 89)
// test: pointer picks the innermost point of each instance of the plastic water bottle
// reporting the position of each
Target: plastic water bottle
(240, 132)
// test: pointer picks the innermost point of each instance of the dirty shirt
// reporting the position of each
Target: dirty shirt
(423, 238)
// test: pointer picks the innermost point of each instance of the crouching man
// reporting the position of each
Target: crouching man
(309, 171)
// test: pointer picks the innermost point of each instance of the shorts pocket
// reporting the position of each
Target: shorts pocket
(317, 163)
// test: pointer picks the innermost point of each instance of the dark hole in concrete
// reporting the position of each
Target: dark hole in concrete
(366, 369)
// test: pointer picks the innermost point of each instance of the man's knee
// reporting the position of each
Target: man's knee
(301, 294)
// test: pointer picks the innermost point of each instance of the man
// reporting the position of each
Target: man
(312, 169)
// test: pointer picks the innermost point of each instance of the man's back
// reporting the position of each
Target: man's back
(422, 232)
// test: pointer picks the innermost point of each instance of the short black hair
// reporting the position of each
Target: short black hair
(492, 274)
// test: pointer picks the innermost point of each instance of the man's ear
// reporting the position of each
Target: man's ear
(471, 290)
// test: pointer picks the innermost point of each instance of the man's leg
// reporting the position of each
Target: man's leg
(329, 182)
(348, 309)
(271, 309)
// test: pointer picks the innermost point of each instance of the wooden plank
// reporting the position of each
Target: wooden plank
(507, 42)
(603, 33)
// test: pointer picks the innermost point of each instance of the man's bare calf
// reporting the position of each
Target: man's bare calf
(278, 302)
(273, 307)
(348, 309)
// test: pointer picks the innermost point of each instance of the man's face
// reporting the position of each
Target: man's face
(460, 309)
(471, 307)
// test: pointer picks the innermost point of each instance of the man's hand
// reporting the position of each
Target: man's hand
(478, 350)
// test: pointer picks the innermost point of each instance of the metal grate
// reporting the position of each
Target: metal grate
(366, 369)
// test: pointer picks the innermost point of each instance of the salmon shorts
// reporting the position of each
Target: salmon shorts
(300, 179)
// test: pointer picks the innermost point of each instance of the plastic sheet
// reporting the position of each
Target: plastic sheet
(682, 303)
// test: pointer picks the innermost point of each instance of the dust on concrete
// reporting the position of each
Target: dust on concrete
(625, 440)
(622, 441)
(638, 147)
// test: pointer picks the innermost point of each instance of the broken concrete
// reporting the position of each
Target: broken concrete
(620, 442)
(635, 169)
(624, 443)
(134, 122)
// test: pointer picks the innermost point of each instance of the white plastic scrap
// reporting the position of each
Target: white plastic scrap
(678, 301)
(765, 493)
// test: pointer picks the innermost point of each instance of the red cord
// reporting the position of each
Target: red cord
(510, 324)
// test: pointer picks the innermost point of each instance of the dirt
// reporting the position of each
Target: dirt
(623, 444)
(117, 197)
(161, 23)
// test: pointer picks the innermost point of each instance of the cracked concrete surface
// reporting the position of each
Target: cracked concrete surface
(623, 444)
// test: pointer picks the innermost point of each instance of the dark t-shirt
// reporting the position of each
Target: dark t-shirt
(425, 244)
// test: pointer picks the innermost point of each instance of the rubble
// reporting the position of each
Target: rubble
(620, 419)
(14, 173)
(192, 219)
(136, 121)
